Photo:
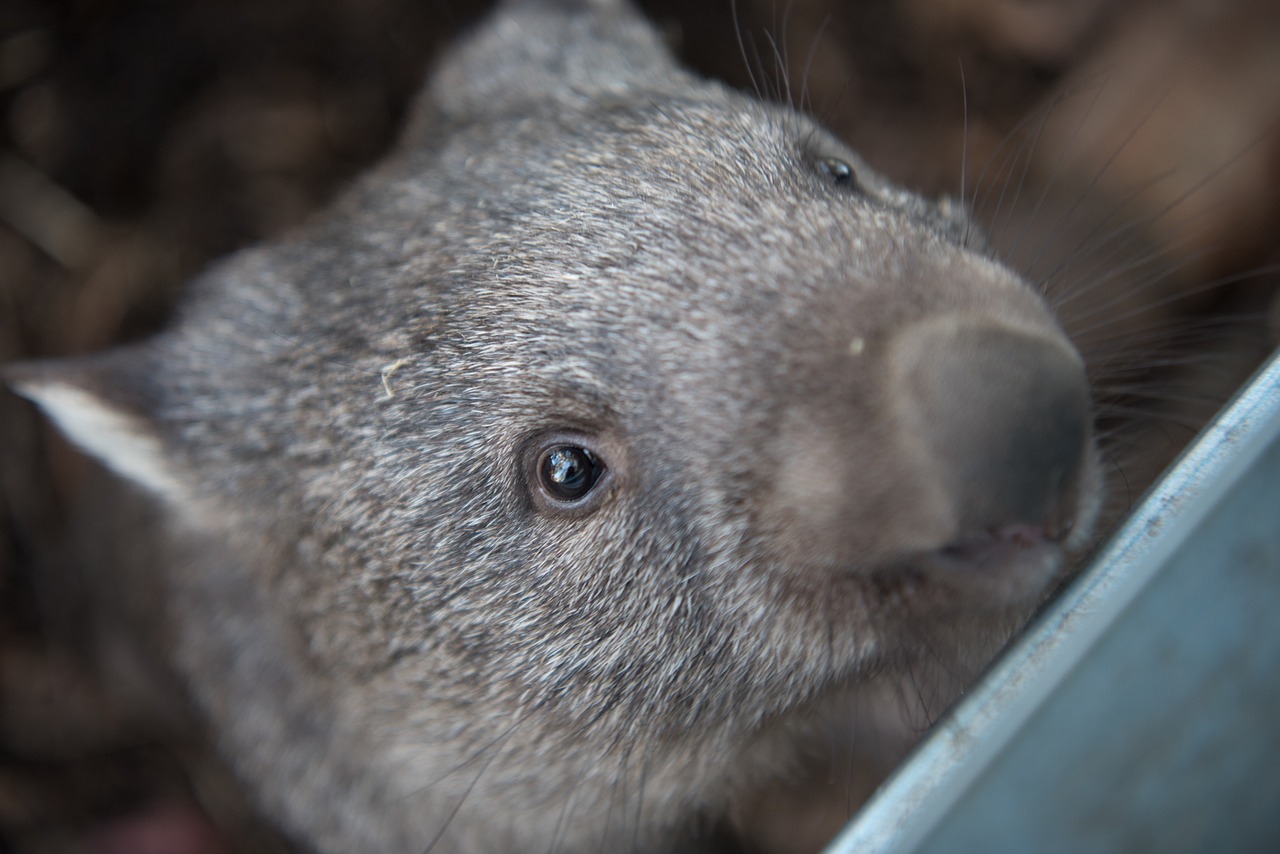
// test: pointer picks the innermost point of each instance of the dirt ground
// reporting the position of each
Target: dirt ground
(1125, 155)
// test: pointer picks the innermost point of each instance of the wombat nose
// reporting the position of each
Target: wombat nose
(1003, 415)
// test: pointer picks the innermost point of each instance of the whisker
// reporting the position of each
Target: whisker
(814, 43)
(457, 807)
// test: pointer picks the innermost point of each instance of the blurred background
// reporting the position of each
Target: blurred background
(1124, 155)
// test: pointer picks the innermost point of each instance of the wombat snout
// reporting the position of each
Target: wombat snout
(1002, 416)
(953, 447)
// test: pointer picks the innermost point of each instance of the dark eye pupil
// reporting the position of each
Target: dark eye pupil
(840, 172)
(568, 473)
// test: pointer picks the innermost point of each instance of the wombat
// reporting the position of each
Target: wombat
(559, 487)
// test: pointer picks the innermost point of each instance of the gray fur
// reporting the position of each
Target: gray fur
(400, 641)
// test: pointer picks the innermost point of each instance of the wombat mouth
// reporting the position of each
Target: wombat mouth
(977, 550)
(1010, 568)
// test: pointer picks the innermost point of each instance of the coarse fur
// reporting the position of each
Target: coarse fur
(836, 441)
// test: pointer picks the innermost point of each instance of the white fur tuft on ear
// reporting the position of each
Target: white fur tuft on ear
(121, 440)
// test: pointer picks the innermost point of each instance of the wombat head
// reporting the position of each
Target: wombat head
(616, 421)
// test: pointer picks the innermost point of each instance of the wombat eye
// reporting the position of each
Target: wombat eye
(839, 171)
(568, 473)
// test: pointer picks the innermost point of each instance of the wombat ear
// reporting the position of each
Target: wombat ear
(100, 407)
(551, 52)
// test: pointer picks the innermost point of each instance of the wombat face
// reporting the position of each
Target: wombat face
(615, 420)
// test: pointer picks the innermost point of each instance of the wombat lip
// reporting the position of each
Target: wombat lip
(1009, 566)
(976, 550)
(1014, 536)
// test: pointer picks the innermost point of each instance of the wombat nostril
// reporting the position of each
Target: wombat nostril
(1003, 416)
